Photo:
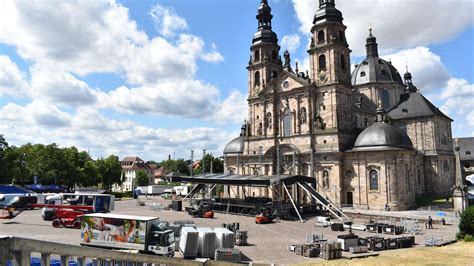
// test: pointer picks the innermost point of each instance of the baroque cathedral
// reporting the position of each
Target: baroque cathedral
(369, 138)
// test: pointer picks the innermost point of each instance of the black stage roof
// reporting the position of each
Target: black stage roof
(241, 180)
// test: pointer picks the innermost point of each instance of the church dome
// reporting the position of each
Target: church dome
(373, 68)
(382, 136)
(235, 146)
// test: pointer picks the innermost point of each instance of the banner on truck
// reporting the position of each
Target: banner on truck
(113, 233)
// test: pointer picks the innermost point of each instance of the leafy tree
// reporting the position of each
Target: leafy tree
(90, 174)
(110, 172)
(141, 179)
(179, 166)
(466, 224)
(217, 165)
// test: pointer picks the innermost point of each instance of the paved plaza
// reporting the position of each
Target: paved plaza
(268, 243)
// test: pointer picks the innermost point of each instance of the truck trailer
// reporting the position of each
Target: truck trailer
(115, 231)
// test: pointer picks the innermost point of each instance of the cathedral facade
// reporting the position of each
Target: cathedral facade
(369, 138)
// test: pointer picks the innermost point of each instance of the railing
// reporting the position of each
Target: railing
(19, 251)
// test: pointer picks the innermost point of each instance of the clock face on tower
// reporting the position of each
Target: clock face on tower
(322, 77)
(256, 90)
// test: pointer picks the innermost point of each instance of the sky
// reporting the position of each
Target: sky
(161, 78)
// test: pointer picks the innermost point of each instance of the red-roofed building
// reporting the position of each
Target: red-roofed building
(130, 168)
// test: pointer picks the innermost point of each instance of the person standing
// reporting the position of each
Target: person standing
(430, 222)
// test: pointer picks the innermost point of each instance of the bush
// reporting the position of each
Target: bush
(469, 238)
(127, 194)
(466, 224)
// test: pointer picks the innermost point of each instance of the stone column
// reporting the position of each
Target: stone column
(459, 195)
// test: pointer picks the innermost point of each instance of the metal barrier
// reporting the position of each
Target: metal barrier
(19, 251)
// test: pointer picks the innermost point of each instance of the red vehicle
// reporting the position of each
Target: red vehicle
(265, 216)
(68, 218)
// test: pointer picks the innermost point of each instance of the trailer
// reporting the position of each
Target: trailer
(126, 232)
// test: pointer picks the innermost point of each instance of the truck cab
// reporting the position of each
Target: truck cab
(161, 239)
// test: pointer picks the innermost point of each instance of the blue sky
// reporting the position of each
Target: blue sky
(152, 78)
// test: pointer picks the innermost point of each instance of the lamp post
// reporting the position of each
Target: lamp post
(203, 162)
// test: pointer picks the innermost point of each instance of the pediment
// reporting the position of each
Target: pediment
(287, 81)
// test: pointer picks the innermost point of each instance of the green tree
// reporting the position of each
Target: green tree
(210, 161)
(110, 172)
(466, 224)
(178, 166)
(141, 179)
(90, 174)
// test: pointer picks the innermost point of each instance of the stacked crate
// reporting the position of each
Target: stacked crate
(241, 238)
(228, 254)
(376, 243)
(330, 250)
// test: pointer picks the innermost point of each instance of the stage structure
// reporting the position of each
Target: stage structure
(279, 185)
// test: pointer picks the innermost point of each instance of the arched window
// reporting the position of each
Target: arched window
(322, 62)
(274, 74)
(274, 55)
(374, 180)
(287, 122)
(385, 99)
(325, 179)
(321, 36)
(341, 36)
(343, 62)
(256, 56)
(257, 78)
(269, 120)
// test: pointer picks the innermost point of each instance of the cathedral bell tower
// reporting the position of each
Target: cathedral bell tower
(265, 63)
(329, 51)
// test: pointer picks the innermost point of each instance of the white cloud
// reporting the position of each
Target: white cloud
(458, 98)
(167, 22)
(12, 81)
(82, 37)
(213, 56)
(185, 98)
(396, 24)
(88, 129)
(60, 88)
(233, 109)
(427, 69)
(290, 42)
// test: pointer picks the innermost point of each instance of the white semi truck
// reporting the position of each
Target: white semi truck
(116, 231)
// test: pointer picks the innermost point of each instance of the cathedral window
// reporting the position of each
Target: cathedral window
(325, 179)
(374, 180)
(269, 120)
(362, 74)
(256, 56)
(257, 78)
(322, 62)
(385, 99)
(343, 62)
(287, 122)
(383, 72)
(366, 122)
(274, 74)
(321, 36)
